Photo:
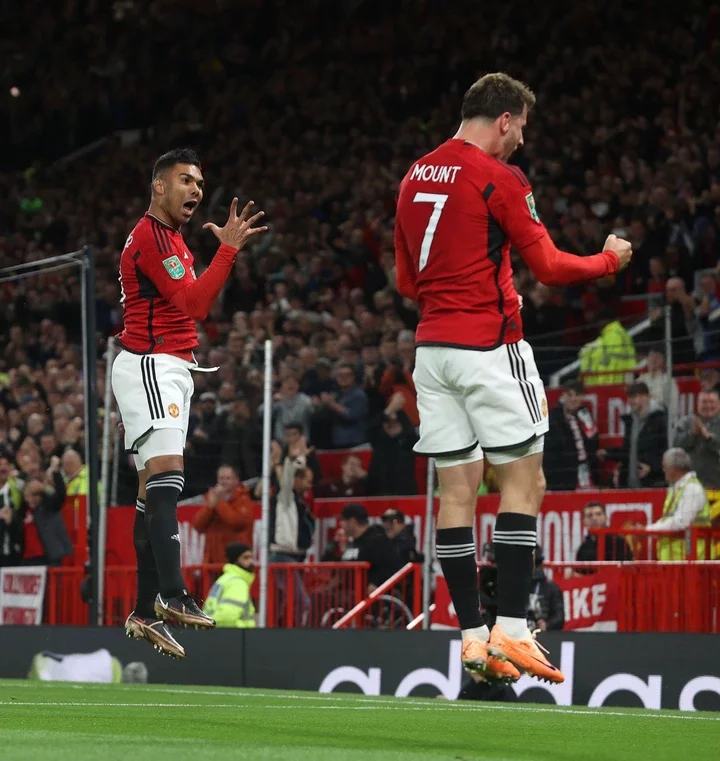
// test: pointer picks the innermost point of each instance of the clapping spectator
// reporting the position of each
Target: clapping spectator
(640, 457)
(296, 446)
(699, 436)
(226, 515)
(46, 540)
(352, 482)
(570, 460)
(392, 465)
(345, 410)
(11, 501)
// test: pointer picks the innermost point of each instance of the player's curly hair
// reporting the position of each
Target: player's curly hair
(496, 94)
(172, 158)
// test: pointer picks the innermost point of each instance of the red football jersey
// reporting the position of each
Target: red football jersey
(154, 266)
(459, 210)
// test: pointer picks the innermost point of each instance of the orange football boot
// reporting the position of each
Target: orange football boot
(482, 666)
(526, 654)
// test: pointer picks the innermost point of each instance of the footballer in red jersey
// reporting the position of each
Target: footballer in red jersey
(461, 208)
(152, 382)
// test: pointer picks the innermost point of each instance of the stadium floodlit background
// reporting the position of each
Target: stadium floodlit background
(315, 110)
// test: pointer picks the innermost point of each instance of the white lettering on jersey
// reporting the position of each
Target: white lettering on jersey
(431, 173)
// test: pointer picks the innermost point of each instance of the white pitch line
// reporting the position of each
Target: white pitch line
(416, 706)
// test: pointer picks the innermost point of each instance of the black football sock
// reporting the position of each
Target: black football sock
(514, 544)
(162, 493)
(148, 584)
(456, 553)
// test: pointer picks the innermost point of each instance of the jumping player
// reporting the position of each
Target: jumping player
(460, 209)
(152, 382)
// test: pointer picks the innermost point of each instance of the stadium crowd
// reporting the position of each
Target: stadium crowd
(315, 110)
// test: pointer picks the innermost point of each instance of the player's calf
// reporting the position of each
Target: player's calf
(162, 493)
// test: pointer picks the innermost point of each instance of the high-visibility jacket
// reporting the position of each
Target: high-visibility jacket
(611, 353)
(675, 549)
(229, 601)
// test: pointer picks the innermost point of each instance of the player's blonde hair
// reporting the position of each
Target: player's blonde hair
(496, 94)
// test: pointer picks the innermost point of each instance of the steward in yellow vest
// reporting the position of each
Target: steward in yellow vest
(686, 505)
(229, 601)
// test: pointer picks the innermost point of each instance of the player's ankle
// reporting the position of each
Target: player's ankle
(481, 633)
(516, 628)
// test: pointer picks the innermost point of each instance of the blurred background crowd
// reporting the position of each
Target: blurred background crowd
(315, 110)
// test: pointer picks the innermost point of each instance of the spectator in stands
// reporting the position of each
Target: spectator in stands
(616, 548)
(238, 435)
(46, 540)
(345, 410)
(663, 387)
(292, 524)
(392, 465)
(610, 354)
(546, 608)
(402, 536)
(290, 406)
(352, 483)
(397, 377)
(683, 322)
(75, 474)
(699, 436)
(296, 445)
(570, 460)
(707, 313)
(368, 544)
(226, 515)
(709, 378)
(645, 440)
(686, 505)
(11, 528)
(541, 317)
(229, 601)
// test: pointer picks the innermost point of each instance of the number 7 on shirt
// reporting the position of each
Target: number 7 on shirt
(438, 200)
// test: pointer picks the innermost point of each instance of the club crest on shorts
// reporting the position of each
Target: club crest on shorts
(530, 201)
(174, 267)
(544, 408)
(174, 410)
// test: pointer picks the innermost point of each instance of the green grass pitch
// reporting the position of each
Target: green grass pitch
(77, 722)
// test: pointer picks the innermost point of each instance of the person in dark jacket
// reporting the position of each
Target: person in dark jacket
(616, 548)
(570, 460)
(46, 539)
(546, 608)
(645, 441)
(368, 544)
(392, 467)
(401, 536)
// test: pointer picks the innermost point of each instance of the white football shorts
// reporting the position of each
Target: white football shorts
(153, 393)
(474, 402)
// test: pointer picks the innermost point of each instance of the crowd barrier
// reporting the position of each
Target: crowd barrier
(646, 596)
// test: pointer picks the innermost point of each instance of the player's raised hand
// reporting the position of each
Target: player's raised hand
(238, 228)
(621, 247)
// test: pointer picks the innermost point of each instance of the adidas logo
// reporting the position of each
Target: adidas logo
(176, 537)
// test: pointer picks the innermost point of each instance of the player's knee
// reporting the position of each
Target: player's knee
(163, 464)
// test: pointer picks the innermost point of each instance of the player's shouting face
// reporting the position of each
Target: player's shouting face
(178, 190)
